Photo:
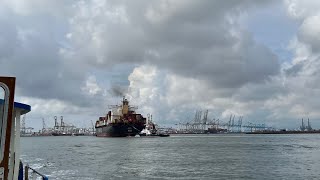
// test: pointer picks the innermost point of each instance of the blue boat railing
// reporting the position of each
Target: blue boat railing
(24, 173)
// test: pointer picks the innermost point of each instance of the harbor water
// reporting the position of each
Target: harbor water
(220, 156)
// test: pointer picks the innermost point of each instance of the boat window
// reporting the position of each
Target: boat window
(2, 120)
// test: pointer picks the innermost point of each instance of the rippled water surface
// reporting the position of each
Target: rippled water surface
(221, 156)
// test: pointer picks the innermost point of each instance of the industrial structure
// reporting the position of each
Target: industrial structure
(304, 127)
(201, 124)
(25, 131)
(60, 128)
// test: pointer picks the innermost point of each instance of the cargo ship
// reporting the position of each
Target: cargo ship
(120, 121)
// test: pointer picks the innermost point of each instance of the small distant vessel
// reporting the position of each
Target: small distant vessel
(120, 121)
(215, 130)
(164, 135)
(61, 134)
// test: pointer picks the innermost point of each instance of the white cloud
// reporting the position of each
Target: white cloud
(185, 37)
(172, 98)
(301, 75)
(309, 32)
(91, 87)
(301, 9)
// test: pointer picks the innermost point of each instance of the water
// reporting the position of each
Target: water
(176, 157)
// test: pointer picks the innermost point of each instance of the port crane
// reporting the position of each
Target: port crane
(93, 127)
(23, 129)
(199, 124)
(43, 126)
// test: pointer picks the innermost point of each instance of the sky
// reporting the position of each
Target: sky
(256, 59)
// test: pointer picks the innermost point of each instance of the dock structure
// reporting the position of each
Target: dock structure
(201, 124)
(60, 128)
(63, 128)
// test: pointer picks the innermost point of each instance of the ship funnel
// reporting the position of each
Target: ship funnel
(125, 106)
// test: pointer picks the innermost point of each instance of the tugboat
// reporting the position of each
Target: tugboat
(120, 121)
(150, 129)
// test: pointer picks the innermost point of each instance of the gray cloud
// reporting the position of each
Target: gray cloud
(295, 69)
(309, 32)
(31, 52)
(195, 39)
(202, 55)
(118, 91)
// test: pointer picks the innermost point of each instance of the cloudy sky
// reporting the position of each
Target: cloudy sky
(257, 59)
